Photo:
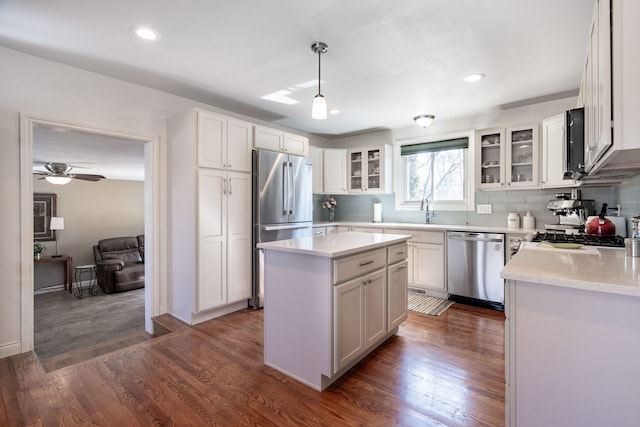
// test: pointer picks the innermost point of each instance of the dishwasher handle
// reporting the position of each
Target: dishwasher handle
(476, 238)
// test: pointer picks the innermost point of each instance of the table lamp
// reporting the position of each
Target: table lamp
(57, 223)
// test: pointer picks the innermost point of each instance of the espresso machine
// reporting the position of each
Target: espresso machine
(572, 212)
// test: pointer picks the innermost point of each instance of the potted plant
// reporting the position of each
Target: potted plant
(38, 248)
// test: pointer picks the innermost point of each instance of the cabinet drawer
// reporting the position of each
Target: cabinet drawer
(397, 253)
(359, 264)
(319, 231)
(435, 237)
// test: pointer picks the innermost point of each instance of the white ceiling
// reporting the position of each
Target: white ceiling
(387, 60)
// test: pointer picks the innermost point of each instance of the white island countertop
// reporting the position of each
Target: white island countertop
(604, 270)
(335, 245)
(428, 227)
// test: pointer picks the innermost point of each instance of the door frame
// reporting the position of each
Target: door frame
(151, 221)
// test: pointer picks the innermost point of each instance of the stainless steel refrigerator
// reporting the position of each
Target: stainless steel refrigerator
(282, 206)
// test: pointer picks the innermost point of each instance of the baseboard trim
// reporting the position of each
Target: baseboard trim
(10, 349)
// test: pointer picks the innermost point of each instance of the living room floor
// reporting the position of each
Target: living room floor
(69, 330)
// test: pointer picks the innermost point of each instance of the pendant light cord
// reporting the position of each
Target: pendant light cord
(319, 68)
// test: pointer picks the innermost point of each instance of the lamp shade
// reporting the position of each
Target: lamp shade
(58, 180)
(57, 223)
(424, 120)
(319, 108)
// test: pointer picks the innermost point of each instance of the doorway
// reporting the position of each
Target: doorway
(151, 217)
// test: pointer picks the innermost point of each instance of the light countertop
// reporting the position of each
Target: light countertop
(427, 227)
(605, 270)
(335, 245)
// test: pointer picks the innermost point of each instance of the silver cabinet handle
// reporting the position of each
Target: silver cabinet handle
(366, 263)
(230, 188)
(401, 252)
(224, 186)
(402, 267)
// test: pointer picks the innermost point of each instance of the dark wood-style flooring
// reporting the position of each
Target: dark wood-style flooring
(446, 370)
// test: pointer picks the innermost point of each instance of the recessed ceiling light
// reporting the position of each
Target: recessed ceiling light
(470, 78)
(334, 111)
(146, 33)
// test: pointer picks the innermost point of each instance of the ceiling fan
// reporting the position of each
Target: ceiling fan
(59, 173)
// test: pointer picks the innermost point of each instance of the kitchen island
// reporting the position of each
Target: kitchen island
(330, 300)
(572, 337)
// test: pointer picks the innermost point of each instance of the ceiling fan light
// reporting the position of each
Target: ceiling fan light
(424, 120)
(319, 108)
(58, 180)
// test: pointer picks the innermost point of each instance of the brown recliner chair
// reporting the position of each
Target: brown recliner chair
(120, 263)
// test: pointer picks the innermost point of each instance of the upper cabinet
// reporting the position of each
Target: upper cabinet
(609, 89)
(223, 142)
(369, 170)
(508, 158)
(315, 154)
(335, 171)
(277, 140)
(554, 156)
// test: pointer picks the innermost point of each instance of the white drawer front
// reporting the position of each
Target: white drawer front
(397, 253)
(359, 264)
(319, 231)
(436, 237)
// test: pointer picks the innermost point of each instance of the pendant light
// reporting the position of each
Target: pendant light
(319, 109)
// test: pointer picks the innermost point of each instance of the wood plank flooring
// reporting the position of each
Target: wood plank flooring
(437, 371)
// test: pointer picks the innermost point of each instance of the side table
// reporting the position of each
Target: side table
(66, 260)
(78, 271)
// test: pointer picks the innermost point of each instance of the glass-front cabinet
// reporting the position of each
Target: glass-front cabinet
(367, 170)
(491, 154)
(508, 158)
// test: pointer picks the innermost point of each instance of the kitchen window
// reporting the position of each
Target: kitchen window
(437, 169)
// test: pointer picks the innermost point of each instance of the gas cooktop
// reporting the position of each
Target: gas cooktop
(584, 239)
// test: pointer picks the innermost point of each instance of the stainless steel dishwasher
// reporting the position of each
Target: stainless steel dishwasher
(474, 261)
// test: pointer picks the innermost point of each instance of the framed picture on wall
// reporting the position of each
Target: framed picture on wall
(44, 208)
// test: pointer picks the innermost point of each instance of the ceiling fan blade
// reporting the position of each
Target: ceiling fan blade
(87, 177)
(41, 173)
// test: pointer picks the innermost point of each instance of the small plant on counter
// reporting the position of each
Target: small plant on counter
(330, 204)
(38, 248)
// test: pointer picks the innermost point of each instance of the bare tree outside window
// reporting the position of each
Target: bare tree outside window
(437, 175)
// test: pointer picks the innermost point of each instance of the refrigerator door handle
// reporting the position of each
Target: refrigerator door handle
(285, 189)
(292, 193)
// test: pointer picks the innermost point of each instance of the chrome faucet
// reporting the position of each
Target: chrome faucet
(424, 206)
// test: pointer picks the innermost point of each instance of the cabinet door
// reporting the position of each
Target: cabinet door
(356, 168)
(522, 157)
(239, 144)
(212, 137)
(267, 138)
(212, 219)
(316, 155)
(348, 322)
(295, 144)
(238, 237)
(375, 297)
(429, 266)
(490, 158)
(335, 171)
(397, 294)
(374, 161)
(554, 154)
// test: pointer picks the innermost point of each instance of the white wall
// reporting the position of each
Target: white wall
(91, 211)
(50, 90)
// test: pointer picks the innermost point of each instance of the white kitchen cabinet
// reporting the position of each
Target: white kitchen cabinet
(426, 260)
(397, 293)
(554, 153)
(366, 229)
(609, 90)
(508, 158)
(369, 170)
(334, 171)
(360, 321)
(224, 239)
(276, 140)
(223, 142)
(210, 218)
(316, 155)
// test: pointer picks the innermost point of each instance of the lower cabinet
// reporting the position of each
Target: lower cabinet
(397, 276)
(360, 316)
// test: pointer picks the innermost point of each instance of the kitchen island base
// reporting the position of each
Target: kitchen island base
(315, 327)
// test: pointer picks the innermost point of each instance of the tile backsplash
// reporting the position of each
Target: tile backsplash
(360, 207)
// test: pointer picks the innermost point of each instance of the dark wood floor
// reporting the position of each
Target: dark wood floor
(446, 370)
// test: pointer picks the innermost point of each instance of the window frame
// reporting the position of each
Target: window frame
(399, 180)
